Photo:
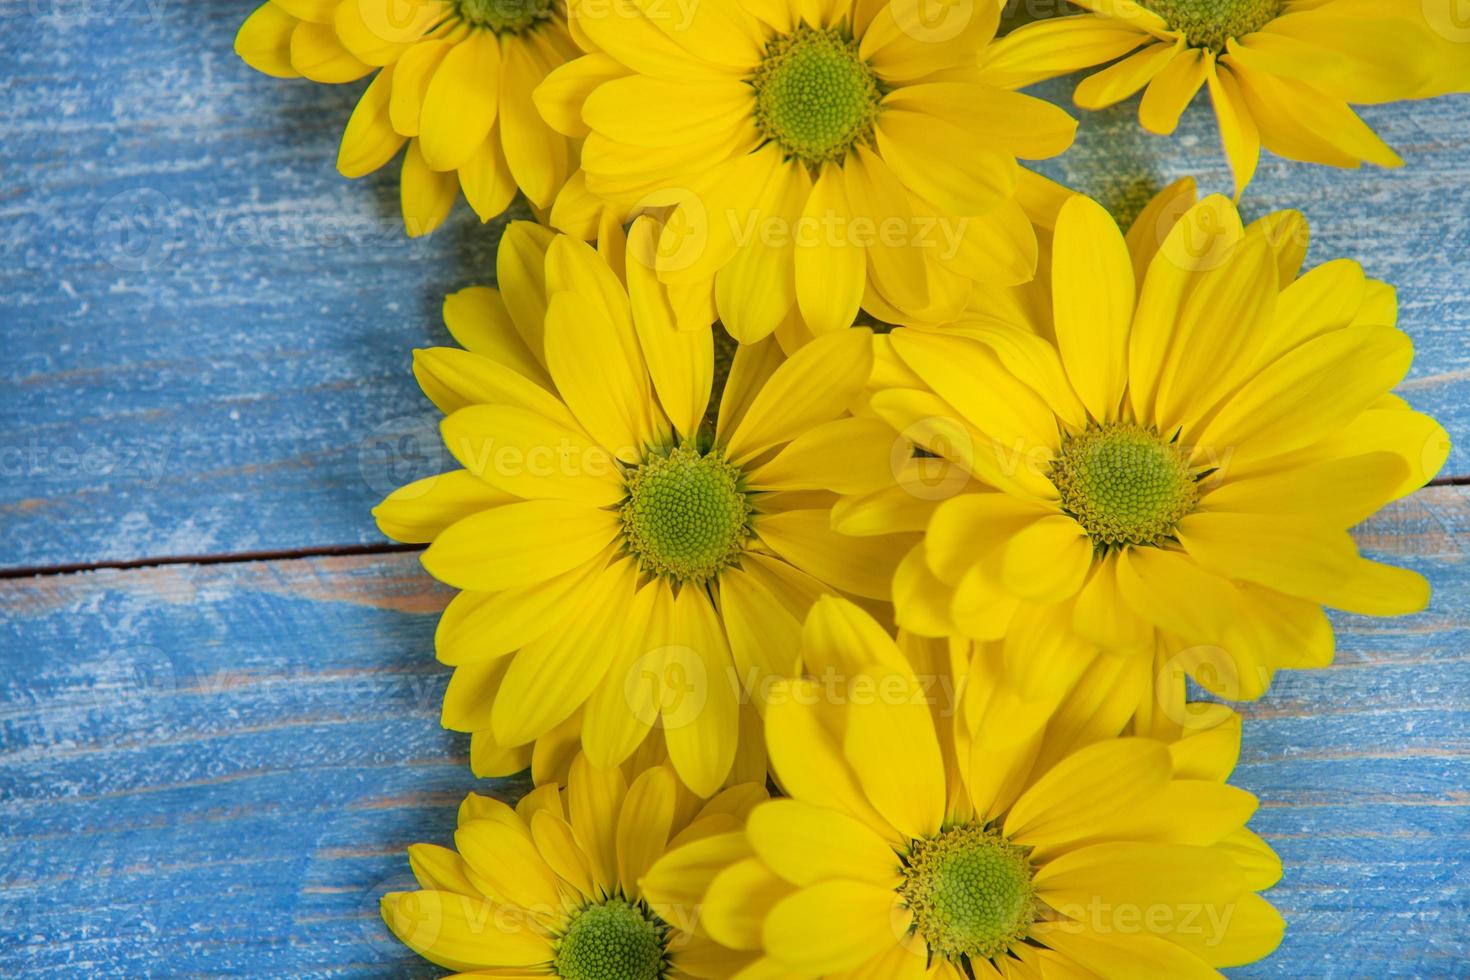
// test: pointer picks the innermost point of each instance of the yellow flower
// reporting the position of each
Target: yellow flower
(812, 153)
(624, 562)
(1172, 469)
(454, 80)
(1281, 73)
(552, 887)
(904, 851)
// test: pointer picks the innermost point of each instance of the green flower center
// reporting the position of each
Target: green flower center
(613, 940)
(1124, 483)
(1210, 23)
(687, 515)
(971, 892)
(813, 95)
(505, 16)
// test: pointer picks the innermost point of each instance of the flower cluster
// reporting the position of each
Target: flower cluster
(843, 510)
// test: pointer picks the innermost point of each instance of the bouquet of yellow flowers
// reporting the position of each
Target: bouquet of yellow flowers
(848, 518)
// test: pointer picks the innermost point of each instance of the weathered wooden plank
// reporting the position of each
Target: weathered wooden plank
(215, 769)
(207, 328)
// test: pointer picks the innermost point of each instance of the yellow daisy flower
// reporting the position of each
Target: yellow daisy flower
(1282, 74)
(811, 153)
(1113, 858)
(623, 561)
(454, 81)
(552, 887)
(1168, 470)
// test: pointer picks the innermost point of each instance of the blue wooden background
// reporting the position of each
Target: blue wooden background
(218, 704)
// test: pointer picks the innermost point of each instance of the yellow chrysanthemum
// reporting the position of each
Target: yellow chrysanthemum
(812, 153)
(552, 887)
(1281, 73)
(1172, 469)
(454, 81)
(909, 848)
(624, 562)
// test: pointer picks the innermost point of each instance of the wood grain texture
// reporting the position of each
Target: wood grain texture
(207, 328)
(214, 770)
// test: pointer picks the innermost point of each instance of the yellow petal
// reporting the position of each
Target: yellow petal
(1047, 561)
(904, 41)
(594, 800)
(1123, 79)
(1156, 220)
(461, 102)
(1057, 46)
(831, 270)
(960, 171)
(425, 195)
(738, 899)
(680, 362)
(854, 455)
(439, 869)
(489, 759)
(676, 884)
(418, 512)
(471, 693)
(519, 543)
(896, 264)
(1224, 321)
(1135, 874)
(485, 177)
(862, 566)
(808, 762)
(508, 862)
(1279, 552)
(1339, 492)
(561, 95)
(834, 925)
(1092, 300)
(479, 626)
(520, 266)
(1106, 950)
(805, 844)
(478, 320)
(1170, 590)
(756, 290)
(1101, 614)
(1238, 131)
(818, 383)
(1309, 392)
(532, 457)
(764, 634)
(623, 708)
(264, 41)
(411, 78)
(643, 825)
(1020, 124)
(1172, 89)
(1093, 782)
(603, 386)
(701, 717)
(318, 54)
(461, 933)
(454, 379)
(538, 160)
(892, 746)
(553, 675)
(558, 846)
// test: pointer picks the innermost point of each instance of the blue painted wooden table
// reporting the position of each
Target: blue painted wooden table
(218, 704)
